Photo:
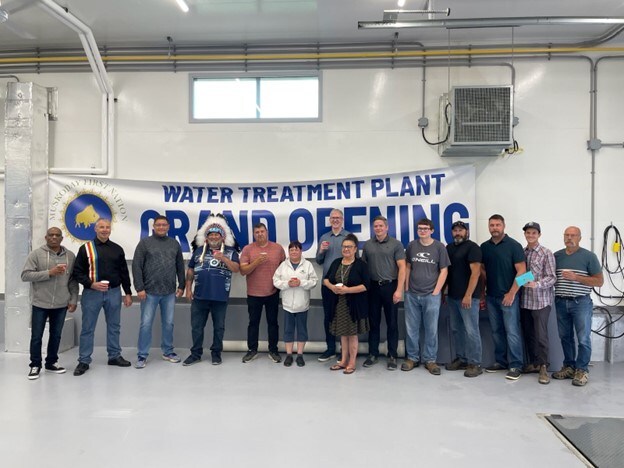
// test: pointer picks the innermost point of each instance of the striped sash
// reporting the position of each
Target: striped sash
(92, 258)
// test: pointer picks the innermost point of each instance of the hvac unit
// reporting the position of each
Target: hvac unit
(480, 119)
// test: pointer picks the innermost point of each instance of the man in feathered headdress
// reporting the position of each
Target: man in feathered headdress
(211, 267)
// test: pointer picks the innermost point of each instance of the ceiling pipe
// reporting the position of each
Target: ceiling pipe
(94, 58)
(478, 23)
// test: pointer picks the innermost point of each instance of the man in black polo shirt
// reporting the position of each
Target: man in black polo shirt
(386, 263)
(503, 260)
(102, 270)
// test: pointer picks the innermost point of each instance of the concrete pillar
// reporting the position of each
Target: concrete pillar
(26, 198)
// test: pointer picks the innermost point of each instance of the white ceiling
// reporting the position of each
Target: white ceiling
(219, 22)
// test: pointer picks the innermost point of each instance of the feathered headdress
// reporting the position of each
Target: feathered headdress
(215, 223)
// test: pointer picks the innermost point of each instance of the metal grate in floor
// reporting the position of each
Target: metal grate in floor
(599, 440)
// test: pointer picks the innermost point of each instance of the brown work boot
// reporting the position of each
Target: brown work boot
(543, 375)
(473, 371)
(408, 365)
(580, 378)
(457, 364)
(433, 368)
(530, 369)
(565, 373)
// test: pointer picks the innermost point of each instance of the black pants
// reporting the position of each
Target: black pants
(535, 331)
(329, 338)
(254, 307)
(380, 297)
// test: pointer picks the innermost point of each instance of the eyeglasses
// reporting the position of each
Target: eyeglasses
(423, 228)
(348, 247)
(333, 218)
(160, 225)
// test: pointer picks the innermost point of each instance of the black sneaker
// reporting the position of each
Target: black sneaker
(457, 364)
(250, 356)
(326, 356)
(392, 364)
(119, 361)
(275, 357)
(513, 374)
(370, 361)
(216, 359)
(55, 369)
(34, 373)
(81, 368)
(300, 361)
(495, 367)
(189, 361)
(289, 360)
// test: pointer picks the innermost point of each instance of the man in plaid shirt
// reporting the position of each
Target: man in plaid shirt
(536, 302)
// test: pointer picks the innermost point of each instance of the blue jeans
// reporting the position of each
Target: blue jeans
(148, 312)
(200, 309)
(298, 321)
(505, 323)
(575, 314)
(39, 317)
(91, 303)
(465, 328)
(426, 310)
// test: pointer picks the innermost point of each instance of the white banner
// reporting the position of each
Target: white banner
(291, 211)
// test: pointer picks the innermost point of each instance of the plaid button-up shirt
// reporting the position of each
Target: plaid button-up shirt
(541, 262)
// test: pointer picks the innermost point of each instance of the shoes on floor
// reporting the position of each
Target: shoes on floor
(189, 361)
(457, 364)
(370, 361)
(581, 378)
(473, 371)
(34, 373)
(300, 362)
(81, 368)
(408, 365)
(495, 368)
(216, 359)
(119, 361)
(433, 368)
(513, 374)
(171, 357)
(326, 356)
(543, 377)
(392, 363)
(275, 357)
(55, 369)
(250, 356)
(288, 361)
(141, 363)
(566, 372)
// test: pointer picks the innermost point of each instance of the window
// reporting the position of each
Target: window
(292, 98)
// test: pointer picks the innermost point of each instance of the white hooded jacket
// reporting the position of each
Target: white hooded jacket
(295, 299)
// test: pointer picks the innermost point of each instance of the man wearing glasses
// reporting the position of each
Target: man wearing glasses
(427, 268)
(156, 265)
(329, 249)
(385, 257)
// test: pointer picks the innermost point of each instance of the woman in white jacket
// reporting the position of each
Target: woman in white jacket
(295, 277)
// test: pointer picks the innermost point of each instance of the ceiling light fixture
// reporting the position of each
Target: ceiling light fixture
(401, 3)
(477, 23)
(3, 16)
(183, 6)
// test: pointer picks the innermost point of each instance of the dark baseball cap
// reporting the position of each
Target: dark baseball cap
(459, 224)
(532, 225)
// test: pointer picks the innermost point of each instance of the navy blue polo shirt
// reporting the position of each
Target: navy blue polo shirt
(499, 261)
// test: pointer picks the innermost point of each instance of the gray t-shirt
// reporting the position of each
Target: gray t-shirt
(425, 261)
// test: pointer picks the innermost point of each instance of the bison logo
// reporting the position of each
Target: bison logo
(82, 213)
(86, 217)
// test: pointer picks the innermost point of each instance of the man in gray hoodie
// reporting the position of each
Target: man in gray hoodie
(54, 293)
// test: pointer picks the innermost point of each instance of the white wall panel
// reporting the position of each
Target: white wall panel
(370, 126)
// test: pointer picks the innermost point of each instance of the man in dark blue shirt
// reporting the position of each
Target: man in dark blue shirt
(503, 260)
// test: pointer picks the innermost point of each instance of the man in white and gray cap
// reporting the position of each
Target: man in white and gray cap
(536, 302)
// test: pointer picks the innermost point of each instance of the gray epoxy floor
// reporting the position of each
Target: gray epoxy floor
(262, 414)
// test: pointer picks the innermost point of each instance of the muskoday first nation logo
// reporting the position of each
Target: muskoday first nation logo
(80, 203)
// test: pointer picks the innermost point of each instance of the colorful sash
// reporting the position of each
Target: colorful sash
(92, 258)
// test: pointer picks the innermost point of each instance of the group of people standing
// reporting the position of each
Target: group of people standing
(519, 286)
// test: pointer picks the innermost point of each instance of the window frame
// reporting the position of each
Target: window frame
(256, 75)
